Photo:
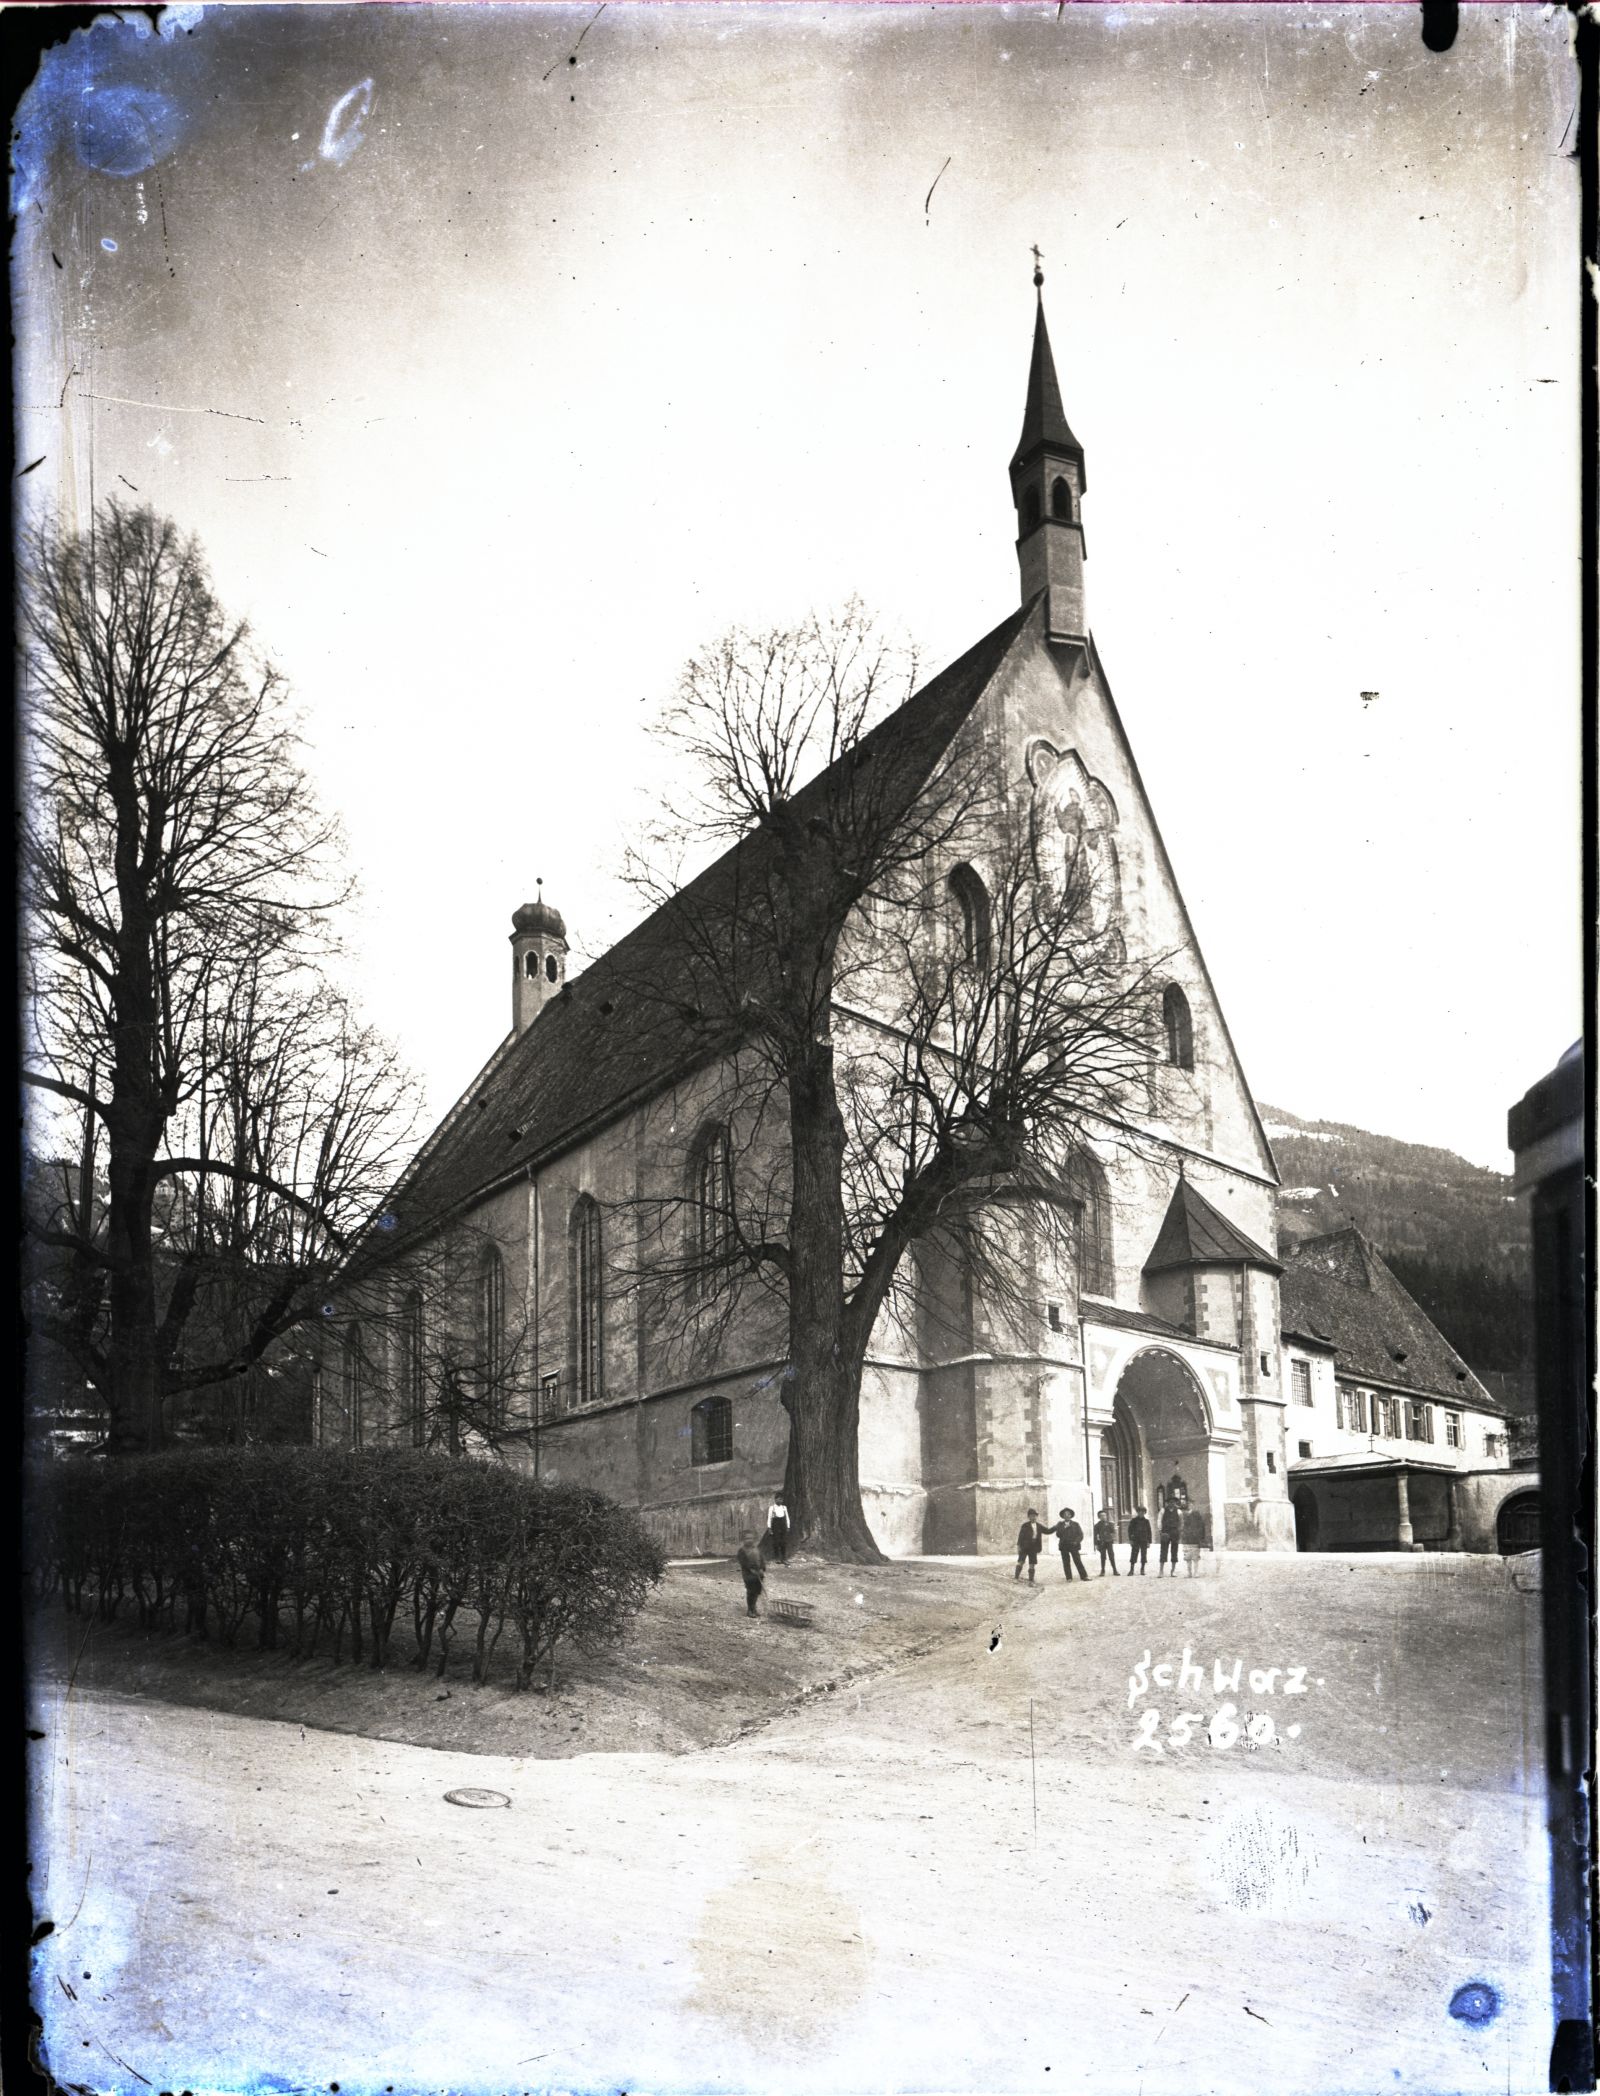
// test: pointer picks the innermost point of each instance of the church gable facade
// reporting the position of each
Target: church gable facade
(1145, 1343)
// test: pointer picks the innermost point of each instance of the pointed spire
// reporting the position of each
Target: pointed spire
(1044, 419)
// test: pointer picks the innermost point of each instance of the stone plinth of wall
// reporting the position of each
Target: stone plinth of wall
(895, 1514)
(1257, 1524)
(707, 1527)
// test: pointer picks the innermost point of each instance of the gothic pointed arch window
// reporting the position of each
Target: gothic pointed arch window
(585, 1348)
(1089, 1197)
(1178, 1028)
(491, 1328)
(971, 898)
(1061, 499)
(712, 1225)
(353, 1382)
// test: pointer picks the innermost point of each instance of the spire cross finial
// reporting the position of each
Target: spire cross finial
(1038, 268)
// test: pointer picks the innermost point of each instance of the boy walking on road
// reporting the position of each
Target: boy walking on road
(755, 1572)
(1105, 1541)
(1029, 1538)
(1139, 1543)
(1171, 1529)
(1069, 1540)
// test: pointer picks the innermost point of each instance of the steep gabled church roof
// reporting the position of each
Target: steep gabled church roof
(615, 1036)
(1193, 1233)
(1044, 419)
(1337, 1289)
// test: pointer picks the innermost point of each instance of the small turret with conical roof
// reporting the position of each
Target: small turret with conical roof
(1048, 480)
(538, 959)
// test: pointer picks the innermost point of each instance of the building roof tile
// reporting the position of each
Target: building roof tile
(1337, 1288)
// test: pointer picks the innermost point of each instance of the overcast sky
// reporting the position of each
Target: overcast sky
(495, 382)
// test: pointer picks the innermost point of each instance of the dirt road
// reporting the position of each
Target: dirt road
(963, 1874)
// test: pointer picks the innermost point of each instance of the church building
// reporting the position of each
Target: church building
(1158, 1346)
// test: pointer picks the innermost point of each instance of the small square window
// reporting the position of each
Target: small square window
(1305, 1449)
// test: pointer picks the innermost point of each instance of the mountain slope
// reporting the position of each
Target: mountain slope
(1451, 1231)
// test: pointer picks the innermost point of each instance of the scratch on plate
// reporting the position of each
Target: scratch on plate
(932, 186)
(572, 59)
(166, 407)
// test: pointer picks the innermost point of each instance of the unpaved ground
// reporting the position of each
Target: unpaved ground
(692, 1671)
(857, 1894)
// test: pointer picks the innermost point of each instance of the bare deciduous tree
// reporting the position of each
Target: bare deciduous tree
(890, 1084)
(233, 1124)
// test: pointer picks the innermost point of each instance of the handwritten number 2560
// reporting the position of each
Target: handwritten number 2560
(1224, 1730)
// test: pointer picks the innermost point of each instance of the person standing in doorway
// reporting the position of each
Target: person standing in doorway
(1069, 1540)
(1171, 1530)
(1194, 1540)
(753, 1569)
(1030, 1536)
(1105, 1541)
(1139, 1543)
(778, 1529)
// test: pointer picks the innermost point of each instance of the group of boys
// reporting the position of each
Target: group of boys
(1180, 1523)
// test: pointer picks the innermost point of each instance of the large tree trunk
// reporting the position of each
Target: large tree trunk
(822, 1482)
(133, 1134)
(133, 1393)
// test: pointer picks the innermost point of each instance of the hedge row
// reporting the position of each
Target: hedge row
(313, 1543)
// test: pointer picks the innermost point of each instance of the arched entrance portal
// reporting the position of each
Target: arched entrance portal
(1160, 1425)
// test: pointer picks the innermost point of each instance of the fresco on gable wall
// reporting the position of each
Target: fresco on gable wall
(1073, 821)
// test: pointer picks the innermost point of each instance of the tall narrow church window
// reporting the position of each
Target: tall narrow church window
(491, 1329)
(1178, 1027)
(1061, 499)
(583, 1256)
(711, 1431)
(354, 1383)
(1090, 1200)
(711, 1194)
(411, 1382)
(551, 971)
(971, 899)
(1030, 508)
(530, 966)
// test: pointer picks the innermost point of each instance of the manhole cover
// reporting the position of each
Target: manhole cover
(484, 1800)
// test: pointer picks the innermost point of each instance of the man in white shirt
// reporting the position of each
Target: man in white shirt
(778, 1529)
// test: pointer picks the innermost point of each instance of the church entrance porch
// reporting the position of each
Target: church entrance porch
(1163, 1416)
(1159, 1442)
